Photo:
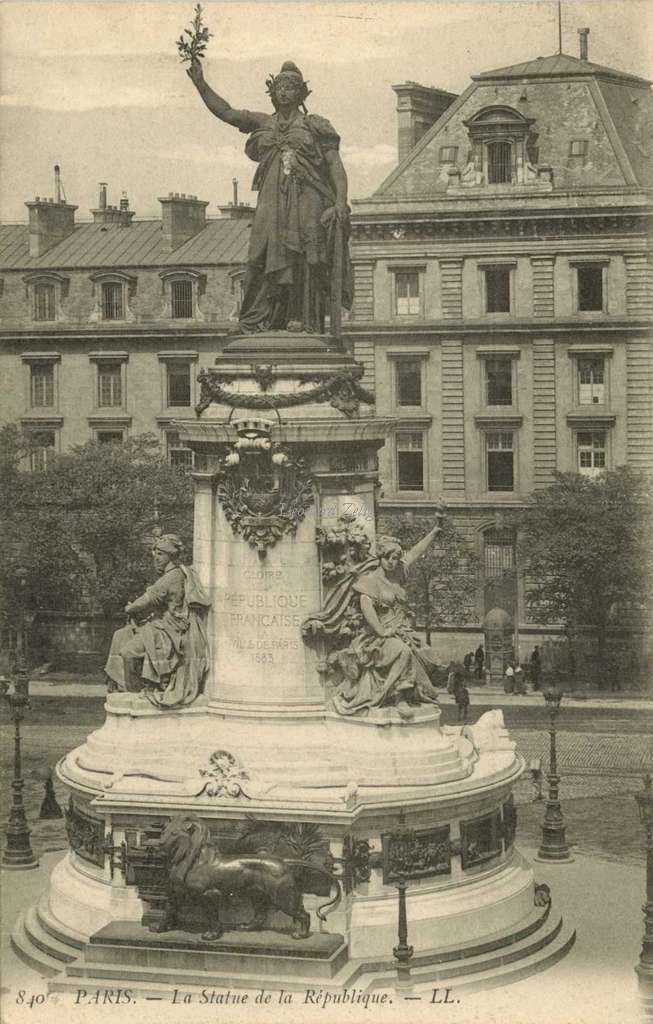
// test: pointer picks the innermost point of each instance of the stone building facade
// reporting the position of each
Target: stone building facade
(504, 295)
(104, 324)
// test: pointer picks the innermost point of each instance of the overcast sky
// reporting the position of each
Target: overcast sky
(97, 87)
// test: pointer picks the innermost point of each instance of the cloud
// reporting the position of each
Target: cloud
(368, 157)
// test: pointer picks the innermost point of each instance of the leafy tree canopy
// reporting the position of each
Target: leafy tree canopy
(80, 527)
(585, 547)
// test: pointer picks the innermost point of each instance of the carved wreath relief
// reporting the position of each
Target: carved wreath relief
(264, 492)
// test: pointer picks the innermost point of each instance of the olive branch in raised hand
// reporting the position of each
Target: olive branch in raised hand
(194, 47)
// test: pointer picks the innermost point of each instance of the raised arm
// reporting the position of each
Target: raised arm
(418, 549)
(246, 120)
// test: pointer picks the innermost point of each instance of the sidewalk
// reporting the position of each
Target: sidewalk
(483, 695)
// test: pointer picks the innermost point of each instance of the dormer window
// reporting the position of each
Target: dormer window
(503, 151)
(181, 294)
(578, 147)
(112, 293)
(44, 301)
(112, 304)
(182, 299)
(44, 295)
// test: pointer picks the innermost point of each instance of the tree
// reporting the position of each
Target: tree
(80, 527)
(443, 583)
(585, 550)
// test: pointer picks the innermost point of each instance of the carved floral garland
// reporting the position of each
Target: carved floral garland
(342, 390)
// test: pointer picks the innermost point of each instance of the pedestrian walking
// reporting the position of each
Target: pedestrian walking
(519, 684)
(479, 658)
(536, 668)
(509, 678)
(462, 700)
(467, 662)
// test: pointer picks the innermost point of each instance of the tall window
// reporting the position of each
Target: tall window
(407, 301)
(498, 380)
(590, 288)
(109, 436)
(499, 163)
(112, 301)
(109, 385)
(44, 302)
(500, 461)
(591, 380)
(178, 455)
(498, 553)
(497, 290)
(182, 300)
(178, 384)
(42, 385)
(43, 450)
(591, 452)
(409, 381)
(410, 460)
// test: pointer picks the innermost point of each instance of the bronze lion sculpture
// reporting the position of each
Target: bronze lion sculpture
(198, 870)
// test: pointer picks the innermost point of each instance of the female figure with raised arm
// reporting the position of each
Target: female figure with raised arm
(298, 263)
(384, 662)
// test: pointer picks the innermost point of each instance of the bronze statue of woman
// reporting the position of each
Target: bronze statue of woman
(298, 264)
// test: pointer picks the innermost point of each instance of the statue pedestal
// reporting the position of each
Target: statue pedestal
(264, 760)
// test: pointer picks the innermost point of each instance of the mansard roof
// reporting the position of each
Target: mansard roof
(558, 65)
(221, 241)
(566, 100)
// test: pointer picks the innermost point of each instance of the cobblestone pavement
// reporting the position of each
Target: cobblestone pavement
(600, 773)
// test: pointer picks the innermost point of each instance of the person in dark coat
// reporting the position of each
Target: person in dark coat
(479, 658)
(535, 668)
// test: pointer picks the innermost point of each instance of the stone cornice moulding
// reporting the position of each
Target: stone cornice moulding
(179, 355)
(109, 421)
(41, 357)
(590, 419)
(498, 420)
(590, 350)
(109, 357)
(46, 420)
(485, 351)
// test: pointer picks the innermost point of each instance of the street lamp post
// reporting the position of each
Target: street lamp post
(644, 968)
(403, 952)
(18, 853)
(554, 844)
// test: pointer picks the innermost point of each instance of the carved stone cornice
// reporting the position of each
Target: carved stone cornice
(530, 225)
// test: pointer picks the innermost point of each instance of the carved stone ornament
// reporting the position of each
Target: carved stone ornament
(342, 389)
(480, 839)
(416, 853)
(224, 776)
(85, 835)
(264, 493)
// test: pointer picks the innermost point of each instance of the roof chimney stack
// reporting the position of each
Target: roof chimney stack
(583, 34)
(106, 214)
(50, 220)
(418, 108)
(183, 217)
(234, 182)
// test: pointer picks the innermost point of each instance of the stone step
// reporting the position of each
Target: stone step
(40, 961)
(47, 943)
(264, 953)
(508, 972)
(74, 940)
(450, 968)
(502, 960)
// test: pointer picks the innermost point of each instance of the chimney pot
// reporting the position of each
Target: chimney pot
(583, 34)
(183, 217)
